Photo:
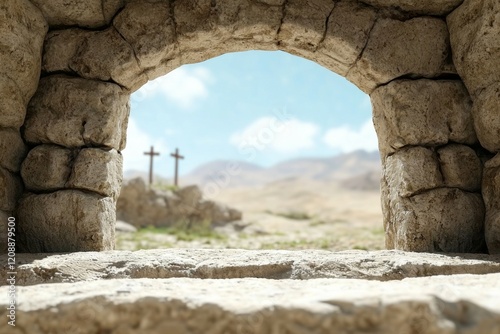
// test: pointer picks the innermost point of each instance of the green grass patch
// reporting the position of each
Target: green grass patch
(295, 215)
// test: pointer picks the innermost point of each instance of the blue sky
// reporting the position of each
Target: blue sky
(257, 106)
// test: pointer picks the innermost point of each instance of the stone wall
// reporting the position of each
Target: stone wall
(437, 134)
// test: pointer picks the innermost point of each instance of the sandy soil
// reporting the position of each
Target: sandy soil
(287, 214)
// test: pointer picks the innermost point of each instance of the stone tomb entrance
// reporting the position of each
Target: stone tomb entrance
(439, 192)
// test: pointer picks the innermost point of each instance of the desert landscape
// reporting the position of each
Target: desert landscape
(330, 203)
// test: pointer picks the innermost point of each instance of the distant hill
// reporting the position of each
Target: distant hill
(359, 170)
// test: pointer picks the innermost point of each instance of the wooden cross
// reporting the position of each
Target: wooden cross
(177, 157)
(151, 154)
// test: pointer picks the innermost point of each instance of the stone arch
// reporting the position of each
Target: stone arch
(398, 51)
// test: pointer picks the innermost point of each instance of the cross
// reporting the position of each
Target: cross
(151, 154)
(177, 157)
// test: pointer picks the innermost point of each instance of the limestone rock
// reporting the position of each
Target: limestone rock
(10, 190)
(487, 118)
(75, 112)
(416, 47)
(121, 226)
(141, 207)
(47, 168)
(439, 220)
(12, 103)
(460, 167)
(236, 263)
(474, 32)
(346, 35)
(418, 7)
(422, 112)
(12, 150)
(23, 30)
(149, 29)
(442, 304)
(88, 14)
(304, 25)
(98, 171)
(412, 170)
(83, 221)
(491, 195)
(80, 51)
(115, 62)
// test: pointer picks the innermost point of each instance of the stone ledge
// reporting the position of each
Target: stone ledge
(441, 304)
(233, 263)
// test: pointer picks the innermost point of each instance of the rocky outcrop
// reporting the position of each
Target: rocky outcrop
(142, 207)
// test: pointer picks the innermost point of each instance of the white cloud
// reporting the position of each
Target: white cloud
(346, 139)
(182, 86)
(270, 133)
(138, 142)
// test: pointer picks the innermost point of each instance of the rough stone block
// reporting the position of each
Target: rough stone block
(66, 221)
(304, 24)
(440, 220)
(47, 168)
(150, 30)
(491, 195)
(75, 112)
(12, 104)
(98, 171)
(88, 14)
(115, 62)
(474, 32)
(417, 7)
(460, 167)
(346, 35)
(61, 46)
(23, 30)
(487, 118)
(417, 47)
(422, 112)
(12, 150)
(10, 190)
(412, 170)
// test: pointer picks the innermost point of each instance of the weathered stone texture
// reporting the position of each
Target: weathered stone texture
(460, 167)
(474, 35)
(487, 117)
(82, 52)
(10, 190)
(47, 168)
(491, 195)
(438, 220)
(418, 7)
(74, 112)
(12, 103)
(98, 171)
(411, 171)
(65, 221)
(422, 112)
(346, 35)
(23, 29)
(150, 30)
(431, 305)
(12, 149)
(88, 14)
(418, 47)
(385, 265)
(304, 25)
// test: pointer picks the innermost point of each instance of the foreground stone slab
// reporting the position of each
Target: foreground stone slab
(234, 263)
(442, 304)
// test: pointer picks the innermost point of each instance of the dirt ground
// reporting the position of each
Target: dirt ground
(288, 214)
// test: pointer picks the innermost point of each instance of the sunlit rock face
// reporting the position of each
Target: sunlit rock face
(431, 68)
